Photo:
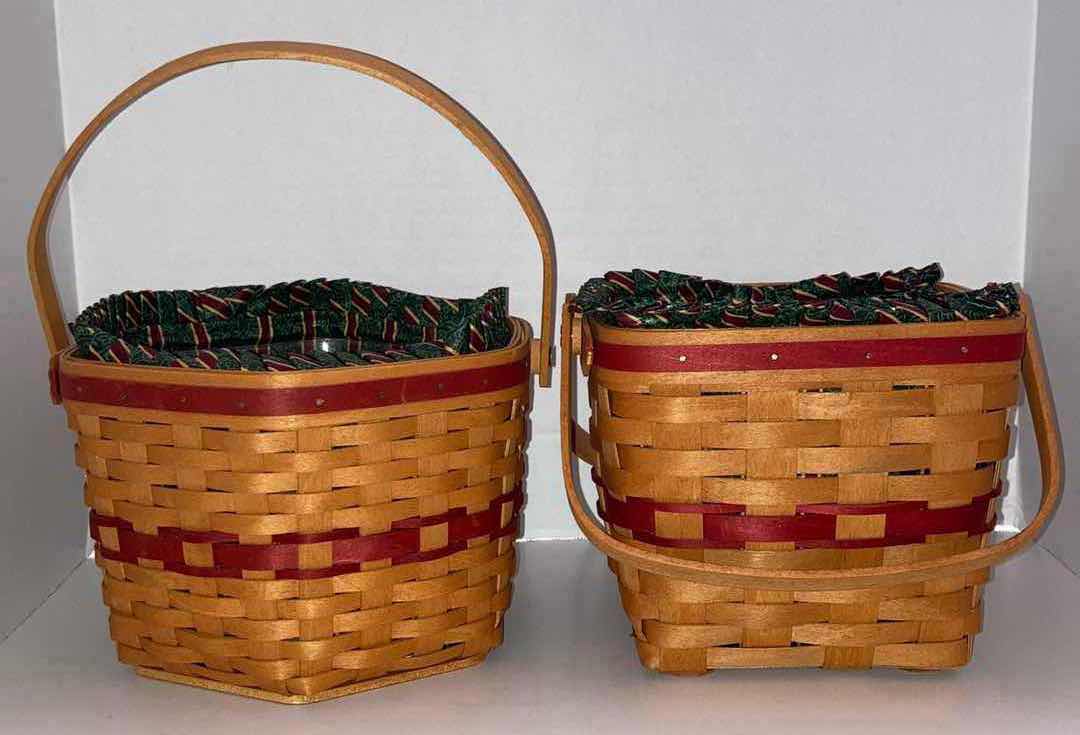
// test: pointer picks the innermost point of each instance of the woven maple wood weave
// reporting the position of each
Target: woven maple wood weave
(299, 536)
(803, 497)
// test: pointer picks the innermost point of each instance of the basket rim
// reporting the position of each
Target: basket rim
(1013, 324)
(519, 347)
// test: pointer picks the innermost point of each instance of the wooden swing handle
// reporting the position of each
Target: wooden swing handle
(576, 443)
(41, 277)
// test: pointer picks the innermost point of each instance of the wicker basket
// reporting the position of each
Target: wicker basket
(816, 497)
(300, 536)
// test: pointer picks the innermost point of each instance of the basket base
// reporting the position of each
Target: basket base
(362, 686)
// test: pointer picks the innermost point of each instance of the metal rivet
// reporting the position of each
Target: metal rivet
(440, 387)
(241, 404)
(774, 357)
(382, 394)
(484, 382)
(320, 401)
(123, 396)
(78, 389)
(183, 399)
(868, 355)
(964, 349)
(682, 358)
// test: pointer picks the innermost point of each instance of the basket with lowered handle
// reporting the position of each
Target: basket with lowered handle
(803, 497)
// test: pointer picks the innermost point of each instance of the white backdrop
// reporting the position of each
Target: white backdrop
(42, 520)
(763, 140)
(1053, 253)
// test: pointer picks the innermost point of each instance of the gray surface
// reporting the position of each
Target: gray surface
(1053, 251)
(568, 666)
(42, 522)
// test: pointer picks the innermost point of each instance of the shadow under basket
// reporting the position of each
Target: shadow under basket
(803, 497)
(297, 536)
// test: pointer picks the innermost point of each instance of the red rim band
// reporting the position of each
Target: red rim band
(350, 548)
(809, 355)
(290, 401)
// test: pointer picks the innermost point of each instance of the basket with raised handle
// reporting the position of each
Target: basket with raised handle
(296, 536)
(803, 497)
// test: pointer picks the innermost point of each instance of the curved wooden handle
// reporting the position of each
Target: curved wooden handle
(575, 441)
(41, 277)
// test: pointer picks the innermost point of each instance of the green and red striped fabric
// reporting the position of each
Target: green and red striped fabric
(666, 300)
(300, 325)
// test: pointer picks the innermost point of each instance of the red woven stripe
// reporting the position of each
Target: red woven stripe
(510, 530)
(288, 401)
(813, 526)
(349, 547)
(805, 355)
